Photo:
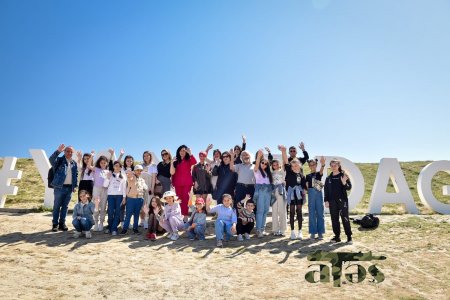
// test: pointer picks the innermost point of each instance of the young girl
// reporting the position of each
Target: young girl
(246, 218)
(82, 215)
(172, 220)
(279, 207)
(116, 184)
(226, 218)
(86, 173)
(263, 191)
(155, 213)
(136, 188)
(315, 199)
(196, 225)
(201, 174)
(296, 184)
(100, 192)
(149, 175)
(180, 169)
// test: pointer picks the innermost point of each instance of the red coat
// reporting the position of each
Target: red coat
(183, 174)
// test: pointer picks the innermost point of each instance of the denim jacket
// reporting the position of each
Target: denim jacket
(60, 173)
(85, 211)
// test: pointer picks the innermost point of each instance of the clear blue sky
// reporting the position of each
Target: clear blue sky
(359, 79)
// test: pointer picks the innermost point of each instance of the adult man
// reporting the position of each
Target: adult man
(65, 182)
(246, 178)
(293, 153)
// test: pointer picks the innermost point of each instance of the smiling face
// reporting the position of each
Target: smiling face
(275, 165)
(86, 158)
(147, 158)
(183, 152)
(199, 207)
(245, 157)
(202, 158)
(68, 152)
(129, 162)
(312, 166)
(227, 201)
(165, 155)
(335, 166)
(249, 206)
(264, 164)
(216, 155)
(292, 152)
(154, 204)
(137, 172)
(103, 164)
(84, 197)
(226, 159)
(117, 167)
(170, 199)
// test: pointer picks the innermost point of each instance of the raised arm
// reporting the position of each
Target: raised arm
(305, 154)
(259, 155)
(232, 160)
(244, 143)
(322, 165)
(282, 148)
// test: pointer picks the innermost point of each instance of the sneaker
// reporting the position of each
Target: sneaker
(174, 236)
(349, 240)
(148, 235)
(141, 224)
(100, 227)
(169, 235)
(335, 239)
(219, 243)
(247, 236)
(135, 231)
(114, 233)
(76, 234)
(63, 227)
(107, 231)
(146, 226)
(124, 231)
(240, 237)
(95, 227)
(282, 233)
(312, 236)
(260, 234)
(300, 235)
(192, 239)
(88, 234)
(55, 227)
(293, 236)
(153, 237)
(320, 237)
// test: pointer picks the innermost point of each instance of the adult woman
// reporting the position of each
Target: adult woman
(279, 207)
(238, 150)
(149, 175)
(336, 186)
(296, 185)
(164, 170)
(180, 169)
(201, 173)
(225, 176)
(263, 191)
(315, 199)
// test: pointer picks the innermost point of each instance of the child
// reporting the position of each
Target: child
(246, 218)
(279, 207)
(226, 218)
(87, 173)
(315, 199)
(172, 220)
(155, 214)
(100, 192)
(82, 215)
(136, 187)
(116, 184)
(196, 224)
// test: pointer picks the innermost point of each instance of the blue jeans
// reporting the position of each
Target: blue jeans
(263, 194)
(198, 231)
(221, 227)
(82, 224)
(242, 190)
(114, 211)
(132, 208)
(316, 212)
(62, 199)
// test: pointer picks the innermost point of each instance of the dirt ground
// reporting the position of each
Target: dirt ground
(39, 264)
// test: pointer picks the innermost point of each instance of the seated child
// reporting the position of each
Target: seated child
(155, 213)
(226, 218)
(83, 215)
(172, 220)
(196, 224)
(246, 218)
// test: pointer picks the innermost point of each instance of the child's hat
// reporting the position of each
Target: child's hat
(169, 194)
(202, 153)
(199, 201)
(138, 167)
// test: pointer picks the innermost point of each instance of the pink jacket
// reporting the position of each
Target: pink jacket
(183, 174)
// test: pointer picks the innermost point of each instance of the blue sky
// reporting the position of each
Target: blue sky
(358, 79)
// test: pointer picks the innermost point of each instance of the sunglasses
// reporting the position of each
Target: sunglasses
(293, 150)
(226, 156)
(163, 154)
(264, 163)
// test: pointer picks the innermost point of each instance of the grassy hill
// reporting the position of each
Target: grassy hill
(31, 187)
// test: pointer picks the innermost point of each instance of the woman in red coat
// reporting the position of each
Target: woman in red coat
(181, 171)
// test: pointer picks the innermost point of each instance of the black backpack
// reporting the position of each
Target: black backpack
(368, 221)
(51, 173)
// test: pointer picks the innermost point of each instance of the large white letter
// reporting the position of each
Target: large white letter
(6, 174)
(390, 168)
(355, 175)
(43, 165)
(424, 186)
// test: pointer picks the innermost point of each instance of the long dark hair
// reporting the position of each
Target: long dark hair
(125, 162)
(225, 153)
(120, 164)
(267, 172)
(186, 157)
(97, 163)
(158, 203)
(84, 165)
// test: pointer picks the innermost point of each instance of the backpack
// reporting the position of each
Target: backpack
(51, 173)
(368, 221)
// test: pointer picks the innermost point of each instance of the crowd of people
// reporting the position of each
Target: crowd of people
(175, 195)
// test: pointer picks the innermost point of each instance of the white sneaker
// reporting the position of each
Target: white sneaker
(219, 243)
(300, 235)
(174, 236)
(95, 227)
(320, 236)
(261, 234)
(247, 236)
(312, 236)
(169, 235)
(88, 234)
(100, 227)
(240, 237)
(114, 233)
(76, 234)
(293, 236)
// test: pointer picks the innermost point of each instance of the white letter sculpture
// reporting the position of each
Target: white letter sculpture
(390, 168)
(355, 175)
(6, 174)
(43, 165)
(424, 186)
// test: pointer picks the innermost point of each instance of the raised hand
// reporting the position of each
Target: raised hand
(322, 161)
(188, 150)
(344, 179)
(157, 210)
(111, 151)
(302, 146)
(244, 139)
(109, 175)
(79, 155)
(210, 146)
(145, 209)
(260, 153)
(232, 153)
(282, 147)
(61, 148)
(247, 197)
(122, 152)
(267, 149)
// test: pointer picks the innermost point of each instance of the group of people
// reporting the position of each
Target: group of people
(158, 196)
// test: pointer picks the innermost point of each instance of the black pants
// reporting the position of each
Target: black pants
(242, 190)
(340, 208)
(153, 225)
(247, 228)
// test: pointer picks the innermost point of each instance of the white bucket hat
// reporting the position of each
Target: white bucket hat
(169, 194)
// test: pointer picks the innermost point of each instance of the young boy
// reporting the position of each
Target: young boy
(246, 218)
